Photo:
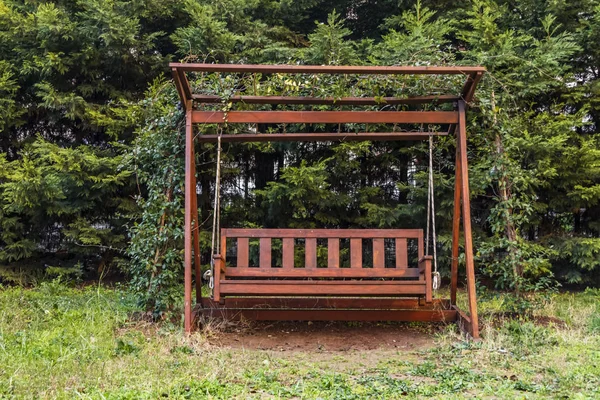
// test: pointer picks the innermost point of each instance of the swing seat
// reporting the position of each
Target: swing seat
(322, 262)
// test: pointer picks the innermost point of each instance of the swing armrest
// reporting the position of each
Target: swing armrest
(425, 270)
(423, 263)
(219, 273)
(219, 263)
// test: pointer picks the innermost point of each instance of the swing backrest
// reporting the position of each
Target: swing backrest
(316, 253)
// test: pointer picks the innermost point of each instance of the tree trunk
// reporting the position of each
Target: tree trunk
(505, 196)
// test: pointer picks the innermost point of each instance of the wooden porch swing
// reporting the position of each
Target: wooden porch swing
(401, 290)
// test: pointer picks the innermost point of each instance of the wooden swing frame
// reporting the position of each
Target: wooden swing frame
(331, 308)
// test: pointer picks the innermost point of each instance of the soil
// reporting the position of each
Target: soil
(326, 336)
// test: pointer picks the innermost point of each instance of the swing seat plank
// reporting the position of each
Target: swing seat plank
(299, 267)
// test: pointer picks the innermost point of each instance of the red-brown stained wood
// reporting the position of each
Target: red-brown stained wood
(401, 253)
(179, 88)
(333, 253)
(319, 288)
(470, 85)
(344, 101)
(310, 252)
(332, 315)
(455, 229)
(378, 253)
(325, 117)
(242, 253)
(356, 253)
(427, 275)
(265, 253)
(318, 137)
(420, 246)
(330, 272)
(329, 302)
(189, 192)
(287, 253)
(324, 233)
(185, 85)
(327, 69)
(466, 214)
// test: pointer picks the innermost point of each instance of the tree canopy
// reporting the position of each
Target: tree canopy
(90, 170)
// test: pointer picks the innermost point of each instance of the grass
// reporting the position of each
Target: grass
(62, 342)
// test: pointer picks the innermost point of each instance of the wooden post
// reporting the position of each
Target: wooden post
(466, 211)
(455, 227)
(190, 190)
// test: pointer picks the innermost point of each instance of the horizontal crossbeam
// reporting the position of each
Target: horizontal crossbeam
(338, 303)
(321, 288)
(325, 117)
(330, 315)
(318, 137)
(327, 69)
(343, 101)
(323, 233)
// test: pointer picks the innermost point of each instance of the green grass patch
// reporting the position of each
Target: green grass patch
(63, 342)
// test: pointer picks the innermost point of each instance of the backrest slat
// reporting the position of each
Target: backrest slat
(355, 253)
(333, 253)
(310, 253)
(265, 253)
(378, 253)
(401, 253)
(287, 258)
(242, 252)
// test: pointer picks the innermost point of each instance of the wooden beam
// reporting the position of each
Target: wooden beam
(455, 227)
(331, 315)
(470, 85)
(326, 117)
(324, 233)
(189, 192)
(466, 214)
(328, 69)
(185, 85)
(329, 272)
(328, 302)
(322, 288)
(179, 87)
(318, 137)
(344, 101)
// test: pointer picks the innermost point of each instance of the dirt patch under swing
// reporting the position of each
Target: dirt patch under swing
(326, 336)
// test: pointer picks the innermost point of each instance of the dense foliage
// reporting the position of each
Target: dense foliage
(90, 151)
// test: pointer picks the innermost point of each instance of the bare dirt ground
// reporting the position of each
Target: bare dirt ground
(326, 336)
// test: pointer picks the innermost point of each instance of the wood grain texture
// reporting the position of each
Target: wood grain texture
(327, 69)
(318, 137)
(325, 117)
(243, 250)
(356, 253)
(287, 258)
(330, 272)
(401, 253)
(378, 253)
(310, 253)
(333, 253)
(344, 101)
(323, 233)
(265, 253)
